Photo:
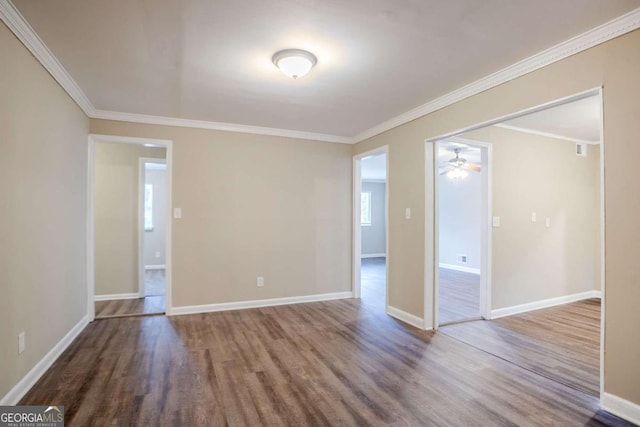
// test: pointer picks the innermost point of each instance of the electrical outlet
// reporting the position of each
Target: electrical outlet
(407, 213)
(21, 342)
(260, 281)
(534, 217)
(461, 259)
(495, 221)
(548, 222)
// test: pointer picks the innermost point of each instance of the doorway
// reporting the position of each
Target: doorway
(129, 227)
(371, 229)
(546, 234)
(152, 216)
(462, 204)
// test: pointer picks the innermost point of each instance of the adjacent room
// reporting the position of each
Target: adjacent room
(461, 212)
(129, 222)
(546, 252)
(301, 213)
(373, 223)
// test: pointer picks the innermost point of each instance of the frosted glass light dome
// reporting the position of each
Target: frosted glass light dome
(294, 63)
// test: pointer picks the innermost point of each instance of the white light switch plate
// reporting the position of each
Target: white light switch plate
(177, 213)
(534, 217)
(496, 221)
(21, 342)
(407, 213)
(548, 222)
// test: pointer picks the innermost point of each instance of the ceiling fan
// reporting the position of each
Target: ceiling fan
(457, 167)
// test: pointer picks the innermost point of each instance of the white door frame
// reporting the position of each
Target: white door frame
(142, 180)
(485, 228)
(92, 140)
(357, 228)
(575, 97)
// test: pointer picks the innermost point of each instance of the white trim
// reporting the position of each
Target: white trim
(621, 407)
(373, 255)
(545, 303)
(545, 134)
(405, 317)
(155, 267)
(25, 33)
(375, 180)
(227, 127)
(460, 268)
(602, 245)
(92, 140)
(242, 305)
(109, 297)
(607, 31)
(24, 385)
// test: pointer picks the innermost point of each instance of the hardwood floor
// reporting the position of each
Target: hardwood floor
(328, 363)
(130, 307)
(373, 277)
(561, 343)
(458, 296)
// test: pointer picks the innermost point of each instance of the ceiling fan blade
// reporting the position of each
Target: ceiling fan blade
(472, 167)
(444, 171)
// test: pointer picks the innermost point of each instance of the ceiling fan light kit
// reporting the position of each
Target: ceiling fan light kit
(294, 63)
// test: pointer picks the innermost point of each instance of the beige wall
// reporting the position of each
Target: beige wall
(537, 174)
(43, 164)
(615, 65)
(116, 215)
(254, 206)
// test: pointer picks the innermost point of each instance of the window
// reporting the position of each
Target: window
(365, 208)
(148, 207)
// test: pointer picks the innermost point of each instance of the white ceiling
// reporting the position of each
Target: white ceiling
(211, 60)
(374, 168)
(578, 121)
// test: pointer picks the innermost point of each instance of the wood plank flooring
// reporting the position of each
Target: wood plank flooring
(130, 307)
(458, 296)
(561, 343)
(327, 363)
(373, 277)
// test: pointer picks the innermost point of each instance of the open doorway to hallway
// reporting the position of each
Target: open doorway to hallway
(130, 221)
(373, 227)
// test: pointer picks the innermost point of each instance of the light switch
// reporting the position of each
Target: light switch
(496, 221)
(534, 217)
(548, 222)
(177, 213)
(407, 213)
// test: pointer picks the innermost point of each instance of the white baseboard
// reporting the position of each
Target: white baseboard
(155, 267)
(621, 407)
(460, 268)
(405, 317)
(241, 305)
(536, 305)
(373, 256)
(132, 295)
(29, 380)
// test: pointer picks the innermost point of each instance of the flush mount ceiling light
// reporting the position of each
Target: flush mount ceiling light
(294, 62)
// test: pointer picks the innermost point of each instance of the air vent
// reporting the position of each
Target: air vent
(581, 149)
(461, 259)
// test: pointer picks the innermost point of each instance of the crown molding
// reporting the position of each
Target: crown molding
(25, 33)
(605, 32)
(545, 134)
(21, 28)
(228, 127)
